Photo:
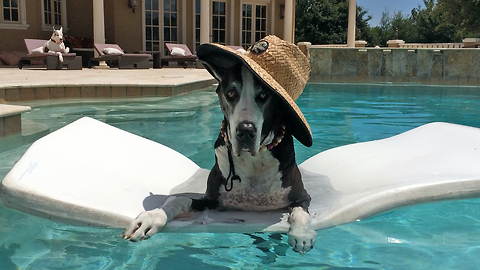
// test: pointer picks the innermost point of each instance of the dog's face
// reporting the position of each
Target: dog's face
(253, 111)
(57, 35)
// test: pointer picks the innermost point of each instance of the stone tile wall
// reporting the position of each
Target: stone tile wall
(429, 66)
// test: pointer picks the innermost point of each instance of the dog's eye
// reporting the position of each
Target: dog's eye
(230, 94)
(263, 96)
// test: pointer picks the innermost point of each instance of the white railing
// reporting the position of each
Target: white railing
(430, 45)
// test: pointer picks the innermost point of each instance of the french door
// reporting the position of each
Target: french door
(254, 23)
(219, 19)
(161, 23)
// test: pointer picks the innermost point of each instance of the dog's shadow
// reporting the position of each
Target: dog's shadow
(154, 201)
(271, 244)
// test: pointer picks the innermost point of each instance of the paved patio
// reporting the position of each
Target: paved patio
(37, 84)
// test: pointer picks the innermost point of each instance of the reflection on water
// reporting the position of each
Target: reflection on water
(431, 236)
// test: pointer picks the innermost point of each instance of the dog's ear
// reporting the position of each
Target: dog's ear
(215, 71)
(53, 28)
(61, 29)
(217, 61)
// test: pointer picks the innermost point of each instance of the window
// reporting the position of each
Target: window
(10, 11)
(170, 21)
(13, 14)
(246, 25)
(260, 22)
(254, 24)
(219, 19)
(160, 29)
(197, 23)
(51, 12)
(152, 26)
(54, 14)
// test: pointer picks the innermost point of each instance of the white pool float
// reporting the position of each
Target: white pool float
(90, 173)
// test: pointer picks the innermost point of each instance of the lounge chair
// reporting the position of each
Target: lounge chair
(178, 53)
(70, 60)
(115, 56)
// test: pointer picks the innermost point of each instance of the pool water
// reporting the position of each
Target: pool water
(441, 235)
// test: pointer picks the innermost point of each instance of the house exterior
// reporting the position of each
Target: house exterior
(145, 25)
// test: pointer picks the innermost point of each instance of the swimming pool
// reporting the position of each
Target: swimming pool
(431, 236)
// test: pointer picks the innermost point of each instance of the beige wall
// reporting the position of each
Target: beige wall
(80, 18)
(12, 40)
(278, 22)
(190, 23)
(126, 31)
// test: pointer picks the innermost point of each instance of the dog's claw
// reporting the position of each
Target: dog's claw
(301, 236)
(145, 225)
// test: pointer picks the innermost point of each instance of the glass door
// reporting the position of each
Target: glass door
(219, 19)
(254, 23)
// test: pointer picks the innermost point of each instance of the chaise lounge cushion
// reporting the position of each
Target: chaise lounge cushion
(177, 51)
(10, 58)
(113, 51)
(116, 56)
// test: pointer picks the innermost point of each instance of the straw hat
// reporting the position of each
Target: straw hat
(280, 65)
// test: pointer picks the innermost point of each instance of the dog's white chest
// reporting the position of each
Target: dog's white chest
(54, 47)
(260, 188)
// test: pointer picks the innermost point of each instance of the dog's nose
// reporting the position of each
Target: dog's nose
(246, 130)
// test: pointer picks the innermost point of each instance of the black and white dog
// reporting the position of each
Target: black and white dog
(255, 167)
(54, 45)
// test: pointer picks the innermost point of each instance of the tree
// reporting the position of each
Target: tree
(326, 21)
(464, 15)
(398, 26)
(432, 24)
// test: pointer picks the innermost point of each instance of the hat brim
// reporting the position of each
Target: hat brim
(218, 56)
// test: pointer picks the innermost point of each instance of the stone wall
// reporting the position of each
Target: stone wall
(429, 66)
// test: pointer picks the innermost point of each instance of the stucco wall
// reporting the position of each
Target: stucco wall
(12, 40)
(80, 18)
(127, 30)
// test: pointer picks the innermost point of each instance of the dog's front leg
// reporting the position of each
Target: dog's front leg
(301, 235)
(60, 57)
(150, 222)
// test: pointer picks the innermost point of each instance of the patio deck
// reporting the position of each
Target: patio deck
(38, 84)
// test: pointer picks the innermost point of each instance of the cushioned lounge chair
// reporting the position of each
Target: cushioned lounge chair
(116, 57)
(70, 60)
(178, 53)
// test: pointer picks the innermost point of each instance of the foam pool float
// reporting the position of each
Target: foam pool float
(90, 173)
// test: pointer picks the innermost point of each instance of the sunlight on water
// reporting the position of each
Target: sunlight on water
(431, 236)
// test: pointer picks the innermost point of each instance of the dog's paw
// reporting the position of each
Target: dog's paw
(145, 225)
(301, 236)
(60, 57)
(67, 50)
(302, 241)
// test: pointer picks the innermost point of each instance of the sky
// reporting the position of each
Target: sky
(375, 8)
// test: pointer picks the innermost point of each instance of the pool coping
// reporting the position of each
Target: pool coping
(30, 85)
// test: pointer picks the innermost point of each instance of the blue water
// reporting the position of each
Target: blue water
(430, 236)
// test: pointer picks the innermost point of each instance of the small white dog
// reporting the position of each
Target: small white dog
(55, 44)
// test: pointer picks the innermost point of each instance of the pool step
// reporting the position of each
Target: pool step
(11, 119)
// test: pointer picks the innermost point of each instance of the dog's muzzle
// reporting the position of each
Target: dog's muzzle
(246, 133)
